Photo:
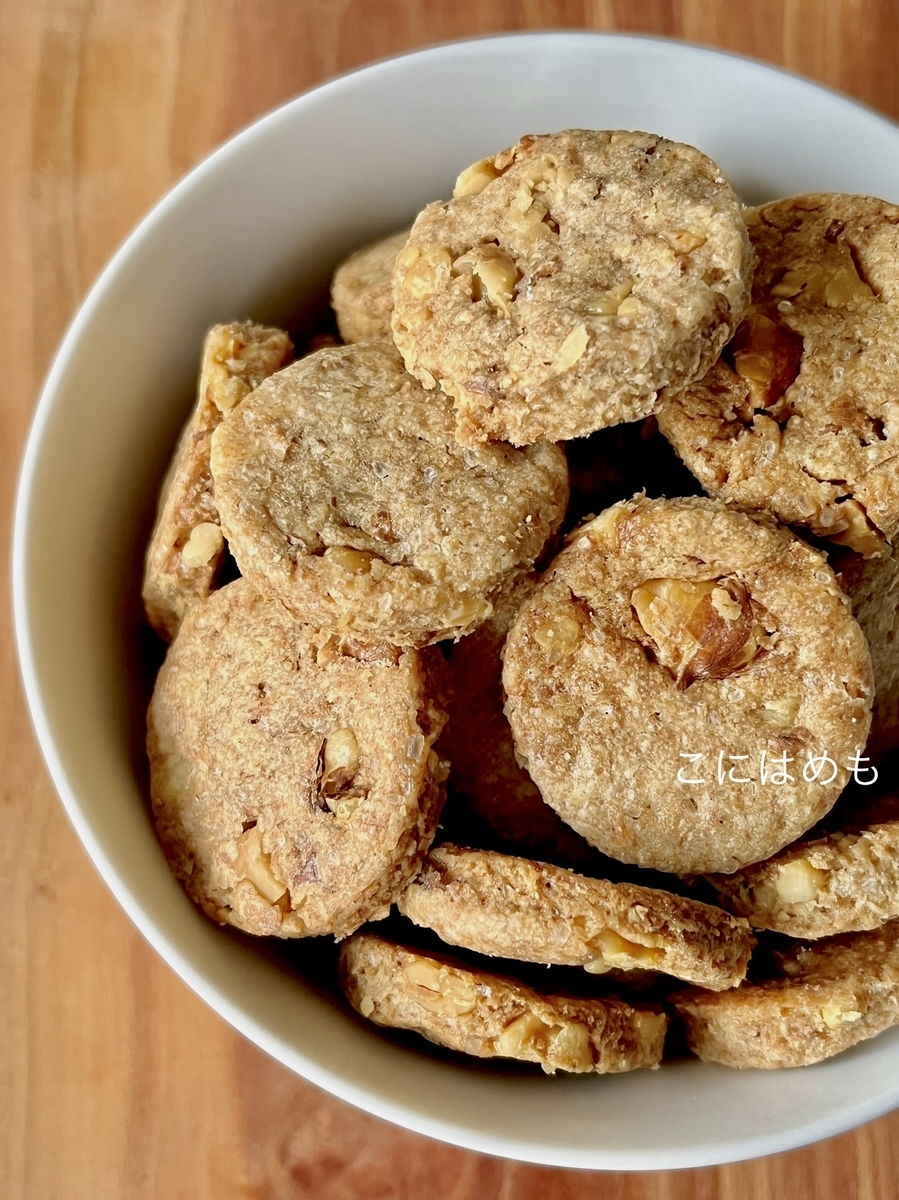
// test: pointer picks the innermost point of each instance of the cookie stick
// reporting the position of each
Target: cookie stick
(493, 1016)
(292, 775)
(509, 907)
(362, 290)
(668, 633)
(187, 546)
(817, 1001)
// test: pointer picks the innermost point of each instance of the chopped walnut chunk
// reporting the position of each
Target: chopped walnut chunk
(572, 349)
(798, 882)
(608, 303)
(621, 952)
(684, 241)
(852, 528)
(703, 629)
(254, 865)
(767, 355)
(204, 543)
(439, 989)
(474, 179)
(493, 275)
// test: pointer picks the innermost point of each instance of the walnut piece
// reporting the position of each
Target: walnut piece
(558, 637)
(254, 865)
(474, 179)
(702, 629)
(834, 283)
(439, 989)
(850, 527)
(572, 348)
(617, 951)
(684, 241)
(834, 1016)
(354, 562)
(608, 303)
(203, 544)
(493, 275)
(798, 882)
(424, 269)
(767, 355)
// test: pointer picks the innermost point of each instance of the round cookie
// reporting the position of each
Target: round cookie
(345, 495)
(492, 1016)
(293, 782)
(667, 684)
(570, 278)
(827, 883)
(187, 547)
(362, 290)
(514, 908)
(800, 417)
(485, 778)
(818, 1001)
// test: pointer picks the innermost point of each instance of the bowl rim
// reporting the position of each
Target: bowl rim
(365, 1098)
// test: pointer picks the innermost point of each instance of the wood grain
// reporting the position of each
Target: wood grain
(115, 1081)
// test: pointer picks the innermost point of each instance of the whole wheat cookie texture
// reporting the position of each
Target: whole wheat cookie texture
(816, 1001)
(872, 585)
(486, 782)
(187, 545)
(670, 691)
(345, 495)
(293, 780)
(800, 417)
(515, 908)
(833, 881)
(570, 278)
(492, 1016)
(362, 290)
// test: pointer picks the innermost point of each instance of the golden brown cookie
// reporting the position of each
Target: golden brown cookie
(492, 1016)
(872, 585)
(514, 908)
(668, 685)
(345, 495)
(827, 883)
(187, 546)
(800, 417)
(485, 778)
(362, 290)
(570, 278)
(818, 1001)
(292, 777)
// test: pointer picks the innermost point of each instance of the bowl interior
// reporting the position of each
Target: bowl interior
(254, 231)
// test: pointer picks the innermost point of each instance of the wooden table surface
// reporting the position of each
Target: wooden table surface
(116, 1082)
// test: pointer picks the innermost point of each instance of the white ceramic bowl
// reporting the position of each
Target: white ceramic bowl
(255, 231)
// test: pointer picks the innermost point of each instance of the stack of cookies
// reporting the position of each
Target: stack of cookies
(643, 703)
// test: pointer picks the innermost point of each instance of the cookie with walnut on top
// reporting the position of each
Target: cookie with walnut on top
(571, 277)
